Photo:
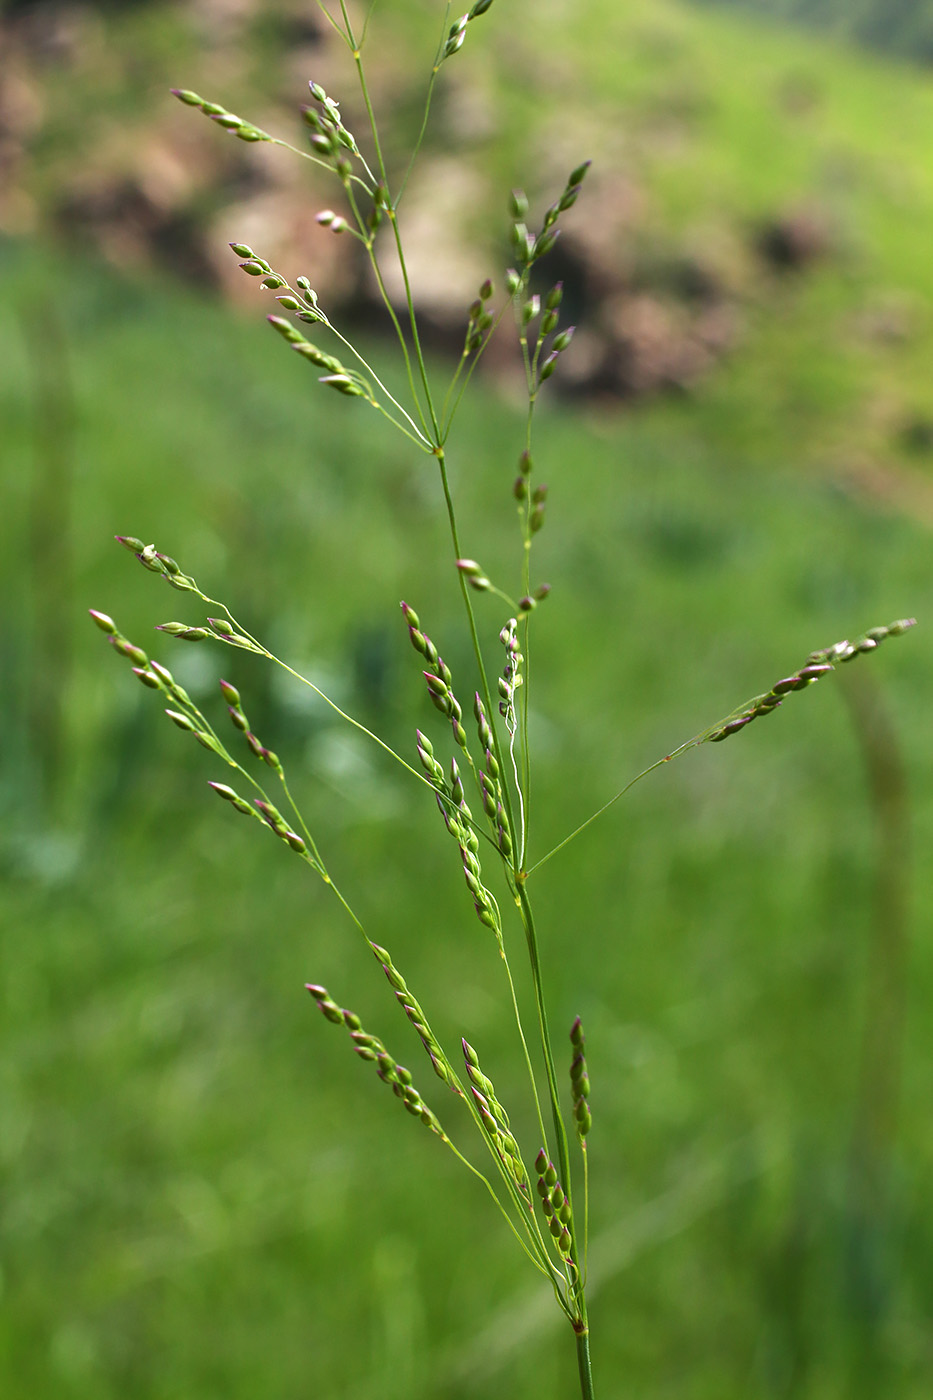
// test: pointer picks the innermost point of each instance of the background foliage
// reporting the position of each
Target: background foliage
(203, 1195)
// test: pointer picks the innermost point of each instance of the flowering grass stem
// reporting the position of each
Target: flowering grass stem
(546, 1215)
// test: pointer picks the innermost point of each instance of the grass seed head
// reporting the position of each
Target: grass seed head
(105, 623)
(819, 663)
(579, 1082)
(326, 1005)
(227, 793)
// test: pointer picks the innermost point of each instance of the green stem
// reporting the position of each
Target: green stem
(427, 105)
(521, 1035)
(560, 1133)
(581, 1326)
(416, 339)
(477, 649)
(583, 1359)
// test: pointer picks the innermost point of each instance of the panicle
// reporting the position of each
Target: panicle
(819, 663)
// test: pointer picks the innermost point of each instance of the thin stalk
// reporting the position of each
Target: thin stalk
(318, 160)
(560, 1132)
(400, 334)
(464, 356)
(369, 15)
(580, 1324)
(526, 640)
(606, 805)
(508, 1219)
(393, 219)
(477, 649)
(416, 435)
(416, 339)
(312, 844)
(586, 1212)
(521, 1035)
(367, 238)
(427, 105)
(519, 793)
(447, 419)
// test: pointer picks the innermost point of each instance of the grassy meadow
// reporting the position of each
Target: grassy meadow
(203, 1194)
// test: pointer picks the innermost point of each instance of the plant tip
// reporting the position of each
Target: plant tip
(105, 623)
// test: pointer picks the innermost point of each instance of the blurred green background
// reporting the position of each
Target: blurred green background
(203, 1193)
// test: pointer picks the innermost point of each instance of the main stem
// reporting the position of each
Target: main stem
(583, 1358)
(581, 1326)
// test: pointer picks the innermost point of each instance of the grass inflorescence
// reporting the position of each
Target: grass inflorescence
(478, 767)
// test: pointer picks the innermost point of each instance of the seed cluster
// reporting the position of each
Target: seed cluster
(489, 780)
(158, 563)
(244, 130)
(451, 798)
(437, 677)
(495, 1120)
(511, 677)
(819, 663)
(301, 302)
(370, 1047)
(268, 813)
(416, 1016)
(580, 1082)
(530, 247)
(330, 139)
(474, 574)
(457, 31)
(458, 819)
(554, 1204)
(480, 320)
(239, 721)
(185, 715)
(157, 677)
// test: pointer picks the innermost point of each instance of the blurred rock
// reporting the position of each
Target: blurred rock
(794, 240)
(149, 182)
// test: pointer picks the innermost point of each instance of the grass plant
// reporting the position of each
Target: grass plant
(477, 768)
